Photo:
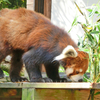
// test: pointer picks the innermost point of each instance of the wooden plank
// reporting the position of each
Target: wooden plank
(61, 94)
(39, 6)
(10, 94)
(51, 85)
(36, 5)
(28, 94)
(47, 94)
(48, 91)
(47, 8)
(97, 97)
(64, 94)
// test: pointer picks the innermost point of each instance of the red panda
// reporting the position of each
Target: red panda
(33, 40)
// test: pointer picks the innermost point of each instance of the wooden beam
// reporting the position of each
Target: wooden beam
(28, 93)
(47, 8)
(66, 85)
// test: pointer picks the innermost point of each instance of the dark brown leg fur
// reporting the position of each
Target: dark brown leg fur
(52, 71)
(33, 66)
(16, 66)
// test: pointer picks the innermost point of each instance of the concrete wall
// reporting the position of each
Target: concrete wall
(90, 2)
(63, 13)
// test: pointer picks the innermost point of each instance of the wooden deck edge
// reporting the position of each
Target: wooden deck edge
(51, 85)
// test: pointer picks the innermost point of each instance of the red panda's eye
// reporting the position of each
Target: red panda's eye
(77, 72)
(70, 75)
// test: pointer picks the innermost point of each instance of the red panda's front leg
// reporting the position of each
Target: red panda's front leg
(33, 67)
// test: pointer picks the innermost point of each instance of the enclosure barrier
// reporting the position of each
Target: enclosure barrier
(49, 91)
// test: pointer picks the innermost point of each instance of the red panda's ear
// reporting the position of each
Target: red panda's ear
(69, 51)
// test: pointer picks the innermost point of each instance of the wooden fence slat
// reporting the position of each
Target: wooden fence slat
(61, 94)
(47, 8)
(48, 91)
(10, 94)
(28, 94)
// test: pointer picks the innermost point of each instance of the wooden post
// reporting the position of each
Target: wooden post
(47, 8)
(42, 6)
(28, 94)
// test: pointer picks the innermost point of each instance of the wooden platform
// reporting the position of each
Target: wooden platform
(48, 91)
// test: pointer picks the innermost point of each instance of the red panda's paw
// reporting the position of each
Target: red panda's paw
(63, 80)
(60, 80)
(48, 80)
(37, 80)
(18, 79)
(41, 80)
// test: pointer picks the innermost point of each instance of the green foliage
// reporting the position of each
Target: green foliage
(13, 4)
(6, 73)
(4, 4)
(17, 3)
(91, 41)
(97, 93)
(61, 69)
(74, 23)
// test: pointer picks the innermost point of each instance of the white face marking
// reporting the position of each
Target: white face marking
(69, 70)
(77, 77)
(80, 70)
(61, 56)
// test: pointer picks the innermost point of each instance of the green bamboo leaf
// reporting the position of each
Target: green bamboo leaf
(97, 93)
(98, 6)
(89, 10)
(75, 21)
(98, 20)
(90, 37)
(6, 73)
(93, 12)
(96, 12)
(94, 32)
(85, 78)
(78, 8)
(98, 28)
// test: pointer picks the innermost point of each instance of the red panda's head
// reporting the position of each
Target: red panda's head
(74, 62)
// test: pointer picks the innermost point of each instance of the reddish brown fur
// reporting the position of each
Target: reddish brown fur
(80, 62)
(25, 28)
(25, 31)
